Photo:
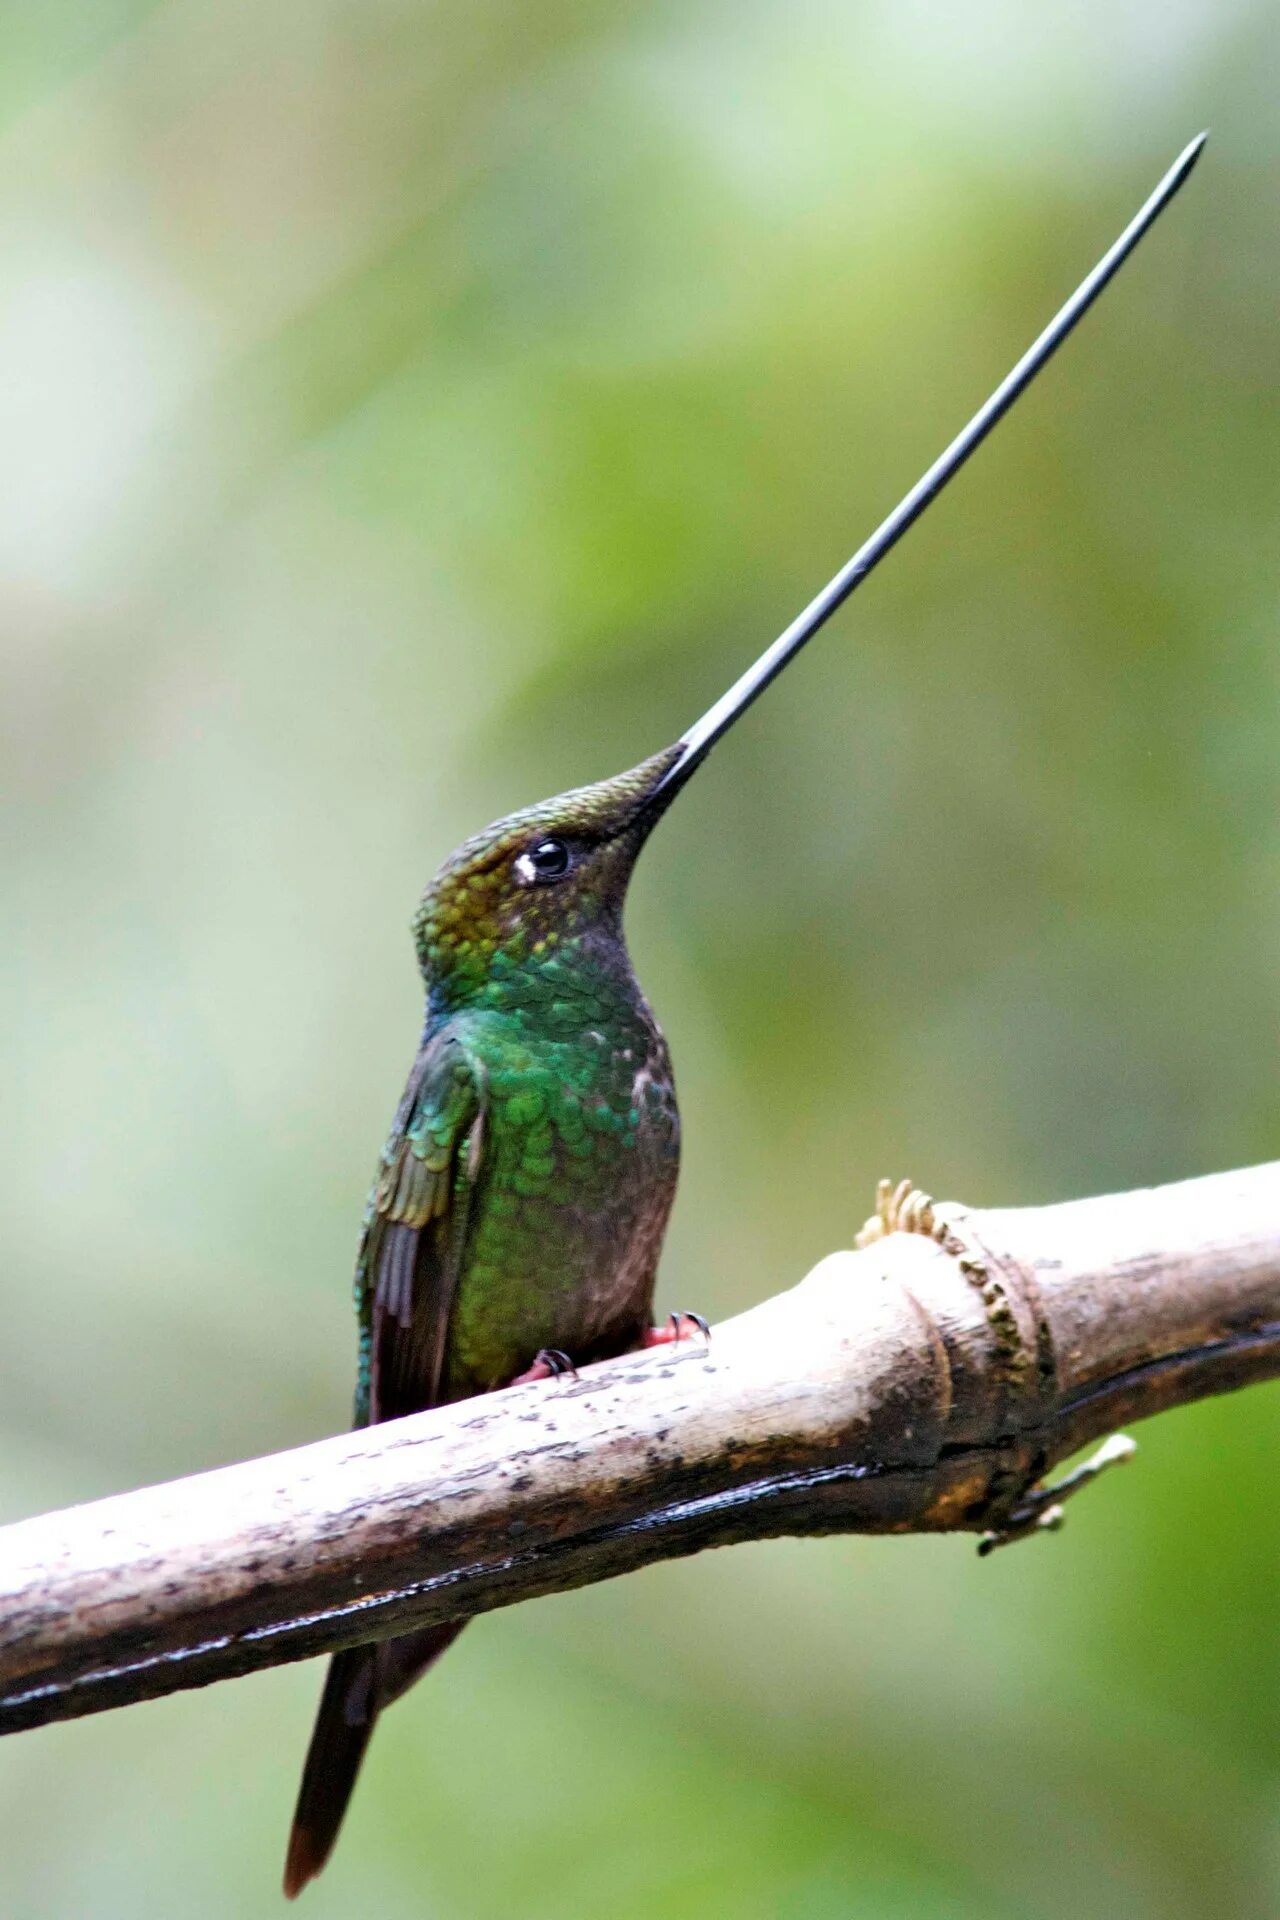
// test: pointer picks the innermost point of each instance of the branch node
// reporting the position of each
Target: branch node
(1040, 1510)
(904, 1208)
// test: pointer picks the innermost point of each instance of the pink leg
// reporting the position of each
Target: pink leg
(548, 1364)
(680, 1326)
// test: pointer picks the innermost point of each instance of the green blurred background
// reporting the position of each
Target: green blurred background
(409, 411)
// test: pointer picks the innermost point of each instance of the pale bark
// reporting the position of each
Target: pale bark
(925, 1382)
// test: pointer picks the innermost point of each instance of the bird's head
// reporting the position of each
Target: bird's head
(537, 886)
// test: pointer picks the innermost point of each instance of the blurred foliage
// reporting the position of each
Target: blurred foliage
(410, 411)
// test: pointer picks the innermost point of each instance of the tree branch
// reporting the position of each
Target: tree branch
(926, 1382)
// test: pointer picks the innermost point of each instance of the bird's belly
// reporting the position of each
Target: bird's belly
(566, 1227)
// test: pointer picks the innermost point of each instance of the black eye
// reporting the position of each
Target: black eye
(549, 859)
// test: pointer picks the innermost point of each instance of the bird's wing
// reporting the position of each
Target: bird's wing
(415, 1233)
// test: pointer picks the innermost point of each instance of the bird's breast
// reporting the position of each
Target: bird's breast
(575, 1183)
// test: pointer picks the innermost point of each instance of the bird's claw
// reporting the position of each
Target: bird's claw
(549, 1363)
(675, 1329)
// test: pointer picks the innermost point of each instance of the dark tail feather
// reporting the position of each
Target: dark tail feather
(360, 1682)
(342, 1730)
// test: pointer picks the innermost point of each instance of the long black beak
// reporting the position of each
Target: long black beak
(702, 736)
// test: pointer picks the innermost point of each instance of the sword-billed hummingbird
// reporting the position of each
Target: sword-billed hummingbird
(522, 1197)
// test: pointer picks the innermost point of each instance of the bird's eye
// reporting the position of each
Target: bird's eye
(547, 860)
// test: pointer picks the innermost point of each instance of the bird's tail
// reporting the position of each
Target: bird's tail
(360, 1682)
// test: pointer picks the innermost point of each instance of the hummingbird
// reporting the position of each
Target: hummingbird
(519, 1207)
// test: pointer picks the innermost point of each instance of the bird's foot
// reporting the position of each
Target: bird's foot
(679, 1326)
(549, 1363)
(1040, 1508)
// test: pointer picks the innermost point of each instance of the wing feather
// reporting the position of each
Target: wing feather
(415, 1232)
